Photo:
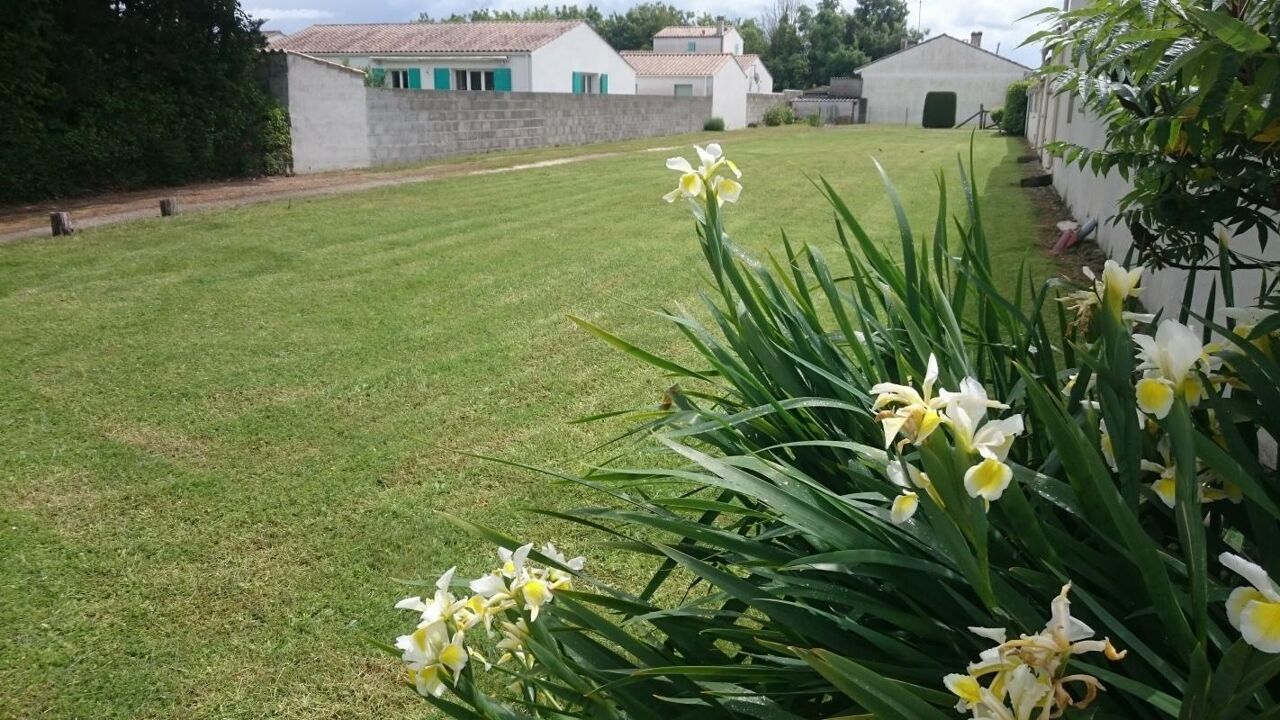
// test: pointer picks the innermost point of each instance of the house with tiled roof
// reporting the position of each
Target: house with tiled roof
(714, 75)
(557, 57)
(759, 80)
(719, 38)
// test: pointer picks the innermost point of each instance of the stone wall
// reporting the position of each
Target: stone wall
(408, 126)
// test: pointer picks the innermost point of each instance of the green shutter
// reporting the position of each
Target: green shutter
(502, 79)
(577, 83)
(693, 46)
(415, 78)
(604, 84)
(442, 79)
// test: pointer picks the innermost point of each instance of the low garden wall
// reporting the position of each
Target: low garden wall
(757, 103)
(337, 123)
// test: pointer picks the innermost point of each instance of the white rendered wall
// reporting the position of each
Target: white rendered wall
(758, 78)
(328, 121)
(895, 87)
(729, 96)
(666, 85)
(731, 42)
(580, 50)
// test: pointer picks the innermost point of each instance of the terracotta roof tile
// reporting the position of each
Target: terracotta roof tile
(414, 37)
(690, 31)
(680, 64)
(746, 61)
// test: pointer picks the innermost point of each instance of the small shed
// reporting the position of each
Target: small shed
(896, 85)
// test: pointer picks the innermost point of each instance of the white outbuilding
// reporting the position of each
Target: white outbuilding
(717, 75)
(758, 78)
(718, 38)
(895, 85)
(555, 57)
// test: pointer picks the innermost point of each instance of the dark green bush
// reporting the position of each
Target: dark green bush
(1014, 121)
(780, 114)
(714, 124)
(997, 117)
(939, 110)
(814, 120)
(100, 98)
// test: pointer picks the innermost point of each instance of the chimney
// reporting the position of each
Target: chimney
(720, 25)
(975, 38)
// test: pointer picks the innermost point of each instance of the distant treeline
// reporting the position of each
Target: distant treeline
(802, 46)
(102, 95)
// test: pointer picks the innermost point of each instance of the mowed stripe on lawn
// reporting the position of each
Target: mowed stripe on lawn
(225, 434)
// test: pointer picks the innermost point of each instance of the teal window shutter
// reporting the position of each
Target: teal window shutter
(693, 46)
(604, 84)
(577, 83)
(502, 79)
(415, 78)
(441, 79)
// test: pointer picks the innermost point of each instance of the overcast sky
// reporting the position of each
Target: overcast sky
(997, 19)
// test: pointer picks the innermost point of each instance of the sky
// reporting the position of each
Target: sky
(997, 19)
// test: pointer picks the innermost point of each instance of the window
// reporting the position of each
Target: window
(693, 46)
(398, 79)
(472, 79)
(684, 90)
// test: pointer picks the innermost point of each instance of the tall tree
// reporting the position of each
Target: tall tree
(787, 58)
(830, 55)
(879, 26)
(754, 41)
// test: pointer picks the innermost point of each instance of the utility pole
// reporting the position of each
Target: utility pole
(919, 15)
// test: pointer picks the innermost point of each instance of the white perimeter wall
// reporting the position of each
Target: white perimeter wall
(895, 87)
(580, 50)
(1091, 197)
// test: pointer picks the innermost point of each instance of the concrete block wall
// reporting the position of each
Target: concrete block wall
(757, 103)
(327, 111)
(408, 126)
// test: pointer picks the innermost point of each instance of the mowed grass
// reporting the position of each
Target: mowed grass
(224, 436)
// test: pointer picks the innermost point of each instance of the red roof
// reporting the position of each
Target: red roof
(678, 64)
(424, 38)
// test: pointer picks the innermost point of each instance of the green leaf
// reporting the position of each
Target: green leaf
(884, 699)
(1231, 31)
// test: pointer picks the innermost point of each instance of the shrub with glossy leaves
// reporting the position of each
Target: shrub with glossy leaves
(780, 114)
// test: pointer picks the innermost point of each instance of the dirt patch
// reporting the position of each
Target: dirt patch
(29, 221)
(1049, 211)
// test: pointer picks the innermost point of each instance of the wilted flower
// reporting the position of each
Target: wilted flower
(1028, 674)
(916, 413)
(1254, 611)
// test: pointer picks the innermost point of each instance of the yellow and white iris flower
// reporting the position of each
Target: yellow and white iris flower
(441, 604)
(1168, 362)
(905, 505)
(915, 413)
(715, 172)
(965, 414)
(1254, 610)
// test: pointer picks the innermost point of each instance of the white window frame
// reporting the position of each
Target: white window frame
(398, 79)
(675, 89)
(464, 78)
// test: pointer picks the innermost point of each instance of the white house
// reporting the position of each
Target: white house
(694, 75)
(895, 85)
(758, 78)
(719, 38)
(558, 57)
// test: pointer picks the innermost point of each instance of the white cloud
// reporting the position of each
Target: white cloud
(289, 14)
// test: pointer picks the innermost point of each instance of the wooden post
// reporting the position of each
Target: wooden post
(60, 223)
(168, 206)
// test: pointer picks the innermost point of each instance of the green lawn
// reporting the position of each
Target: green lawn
(224, 435)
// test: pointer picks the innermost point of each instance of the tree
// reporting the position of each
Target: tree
(829, 54)
(635, 29)
(1187, 96)
(754, 41)
(879, 26)
(787, 59)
